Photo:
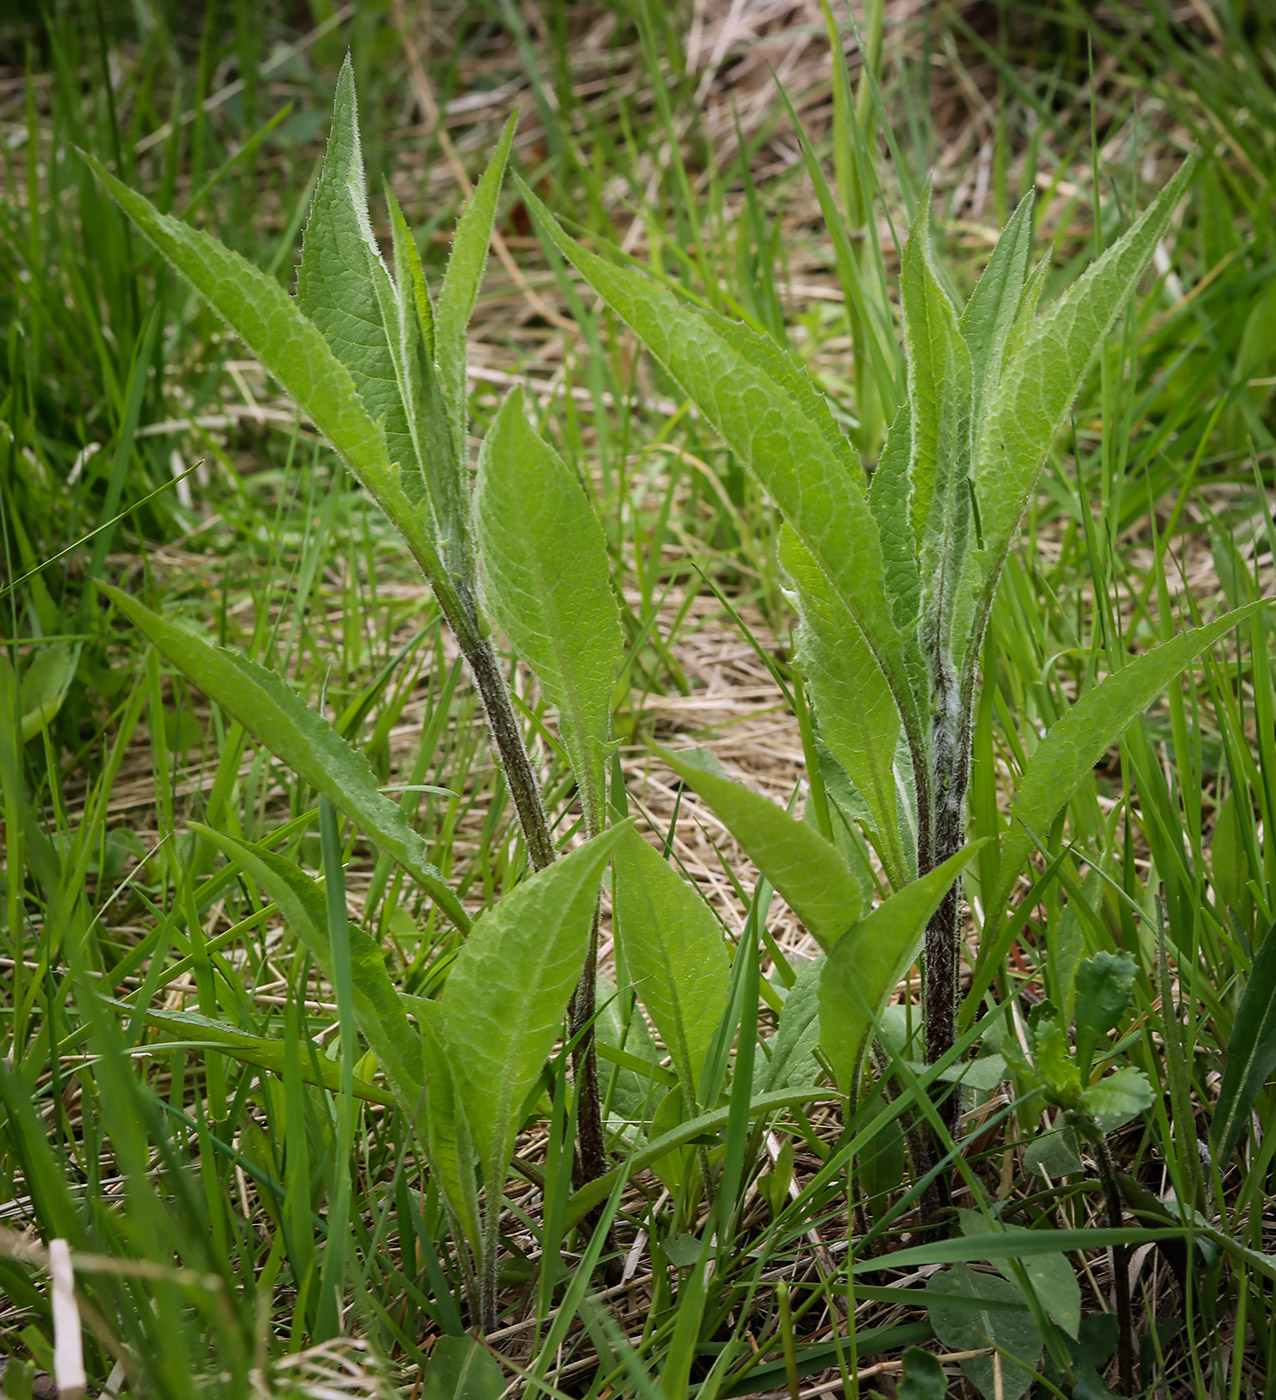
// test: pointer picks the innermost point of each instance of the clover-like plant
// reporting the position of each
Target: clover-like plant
(893, 578)
(1094, 1103)
(380, 368)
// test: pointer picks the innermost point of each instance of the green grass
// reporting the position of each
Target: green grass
(197, 1191)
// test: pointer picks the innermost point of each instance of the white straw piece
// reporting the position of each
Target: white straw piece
(68, 1350)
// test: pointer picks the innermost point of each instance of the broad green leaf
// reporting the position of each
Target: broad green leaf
(461, 1368)
(259, 1050)
(773, 435)
(797, 1033)
(1040, 380)
(858, 719)
(286, 342)
(445, 1126)
(961, 1329)
(1081, 737)
(502, 1007)
(994, 303)
(1103, 986)
(547, 578)
(462, 278)
(775, 362)
(45, 683)
(297, 735)
(940, 396)
(1117, 1098)
(1055, 1154)
(869, 961)
(1251, 1049)
(337, 280)
(673, 948)
(377, 1005)
(806, 869)
(922, 1378)
(1050, 1275)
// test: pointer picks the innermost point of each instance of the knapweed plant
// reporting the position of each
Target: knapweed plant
(380, 367)
(893, 577)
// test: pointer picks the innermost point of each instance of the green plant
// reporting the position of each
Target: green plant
(1094, 1104)
(894, 576)
(381, 369)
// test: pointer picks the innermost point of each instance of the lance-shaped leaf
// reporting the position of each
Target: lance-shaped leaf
(288, 344)
(300, 737)
(674, 952)
(778, 441)
(259, 1050)
(994, 303)
(502, 1007)
(337, 280)
(547, 579)
(462, 278)
(806, 869)
(797, 1032)
(1079, 740)
(377, 1005)
(940, 393)
(1039, 382)
(858, 719)
(869, 962)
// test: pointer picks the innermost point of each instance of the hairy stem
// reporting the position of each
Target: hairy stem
(508, 738)
(950, 740)
(591, 1145)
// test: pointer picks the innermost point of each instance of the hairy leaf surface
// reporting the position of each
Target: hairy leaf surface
(547, 578)
(449, 1143)
(858, 718)
(994, 303)
(1040, 381)
(273, 327)
(674, 951)
(337, 279)
(806, 869)
(502, 1007)
(869, 961)
(772, 433)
